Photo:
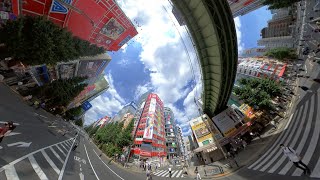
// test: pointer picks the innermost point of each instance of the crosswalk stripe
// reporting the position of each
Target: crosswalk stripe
(11, 173)
(275, 148)
(64, 147)
(306, 133)
(178, 175)
(266, 155)
(159, 172)
(313, 143)
(56, 154)
(167, 172)
(175, 173)
(295, 135)
(66, 144)
(37, 168)
(61, 150)
(54, 167)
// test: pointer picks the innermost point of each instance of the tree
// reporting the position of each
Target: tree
(278, 4)
(281, 53)
(36, 40)
(79, 122)
(61, 92)
(73, 112)
(258, 93)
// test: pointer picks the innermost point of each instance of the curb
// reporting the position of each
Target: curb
(224, 174)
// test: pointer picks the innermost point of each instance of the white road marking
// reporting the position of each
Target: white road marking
(175, 173)
(179, 173)
(2, 122)
(61, 150)
(12, 134)
(167, 172)
(20, 144)
(11, 173)
(85, 148)
(56, 154)
(62, 145)
(106, 165)
(65, 162)
(37, 168)
(159, 172)
(288, 122)
(23, 157)
(54, 167)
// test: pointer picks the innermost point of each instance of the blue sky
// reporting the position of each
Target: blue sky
(157, 60)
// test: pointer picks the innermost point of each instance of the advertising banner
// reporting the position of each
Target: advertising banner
(226, 121)
(148, 131)
(248, 111)
(145, 149)
(66, 70)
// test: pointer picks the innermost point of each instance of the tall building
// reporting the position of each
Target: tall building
(100, 22)
(242, 7)
(180, 141)
(279, 31)
(149, 136)
(128, 109)
(171, 139)
(253, 52)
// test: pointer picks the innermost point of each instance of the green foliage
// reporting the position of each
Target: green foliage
(113, 137)
(61, 92)
(281, 53)
(79, 122)
(277, 4)
(36, 40)
(73, 112)
(258, 93)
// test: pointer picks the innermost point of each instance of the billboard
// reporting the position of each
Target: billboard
(66, 70)
(226, 121)
(40, 74)
(100, 22)
(91, 68)
(86, 106)
(148, 131)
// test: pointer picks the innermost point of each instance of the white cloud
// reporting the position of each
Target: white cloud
(123, 62)
(107, 104)
(239, 35)
(164, 53)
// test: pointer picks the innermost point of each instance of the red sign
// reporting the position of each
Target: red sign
(101, 22)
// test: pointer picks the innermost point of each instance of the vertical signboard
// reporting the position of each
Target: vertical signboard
(148, 132)
(227, 120)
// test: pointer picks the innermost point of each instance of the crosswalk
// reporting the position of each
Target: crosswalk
(44, 164)
(165, 173)
(302, 134)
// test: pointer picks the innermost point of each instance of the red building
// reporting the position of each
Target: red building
(100, 22)
(149, 139)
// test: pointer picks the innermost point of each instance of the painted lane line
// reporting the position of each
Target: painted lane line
(175, 173)
(296, 132)
(265, 155)
(288, 121)
(107, 165)
(37, 168)
(67, 145)
(54, 167)
(158, 172)
(269, 154)
(11, 173)
(2, 122)
(312, 145)
(56, 154)
(171, 173)
(85, 148)
(64, 147)
(25, 156)
(179, 173)
(306, 133)
(12, 134)
(66, 161)
(163, 175)
(61, 150)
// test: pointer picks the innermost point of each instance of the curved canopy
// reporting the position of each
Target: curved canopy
(212, 28)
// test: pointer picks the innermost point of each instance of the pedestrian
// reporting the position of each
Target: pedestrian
(273, 124)
(75, 146)
(170, 172)
(295, 158)
(197, 173)
(6, 130)
(244, 144)
(148, 173)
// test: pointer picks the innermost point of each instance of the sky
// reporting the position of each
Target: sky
(162, 59)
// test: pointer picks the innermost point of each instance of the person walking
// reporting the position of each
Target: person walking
(295, 158)
(170, 172)
(148, 173)
(197, 173)
(75, 146)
